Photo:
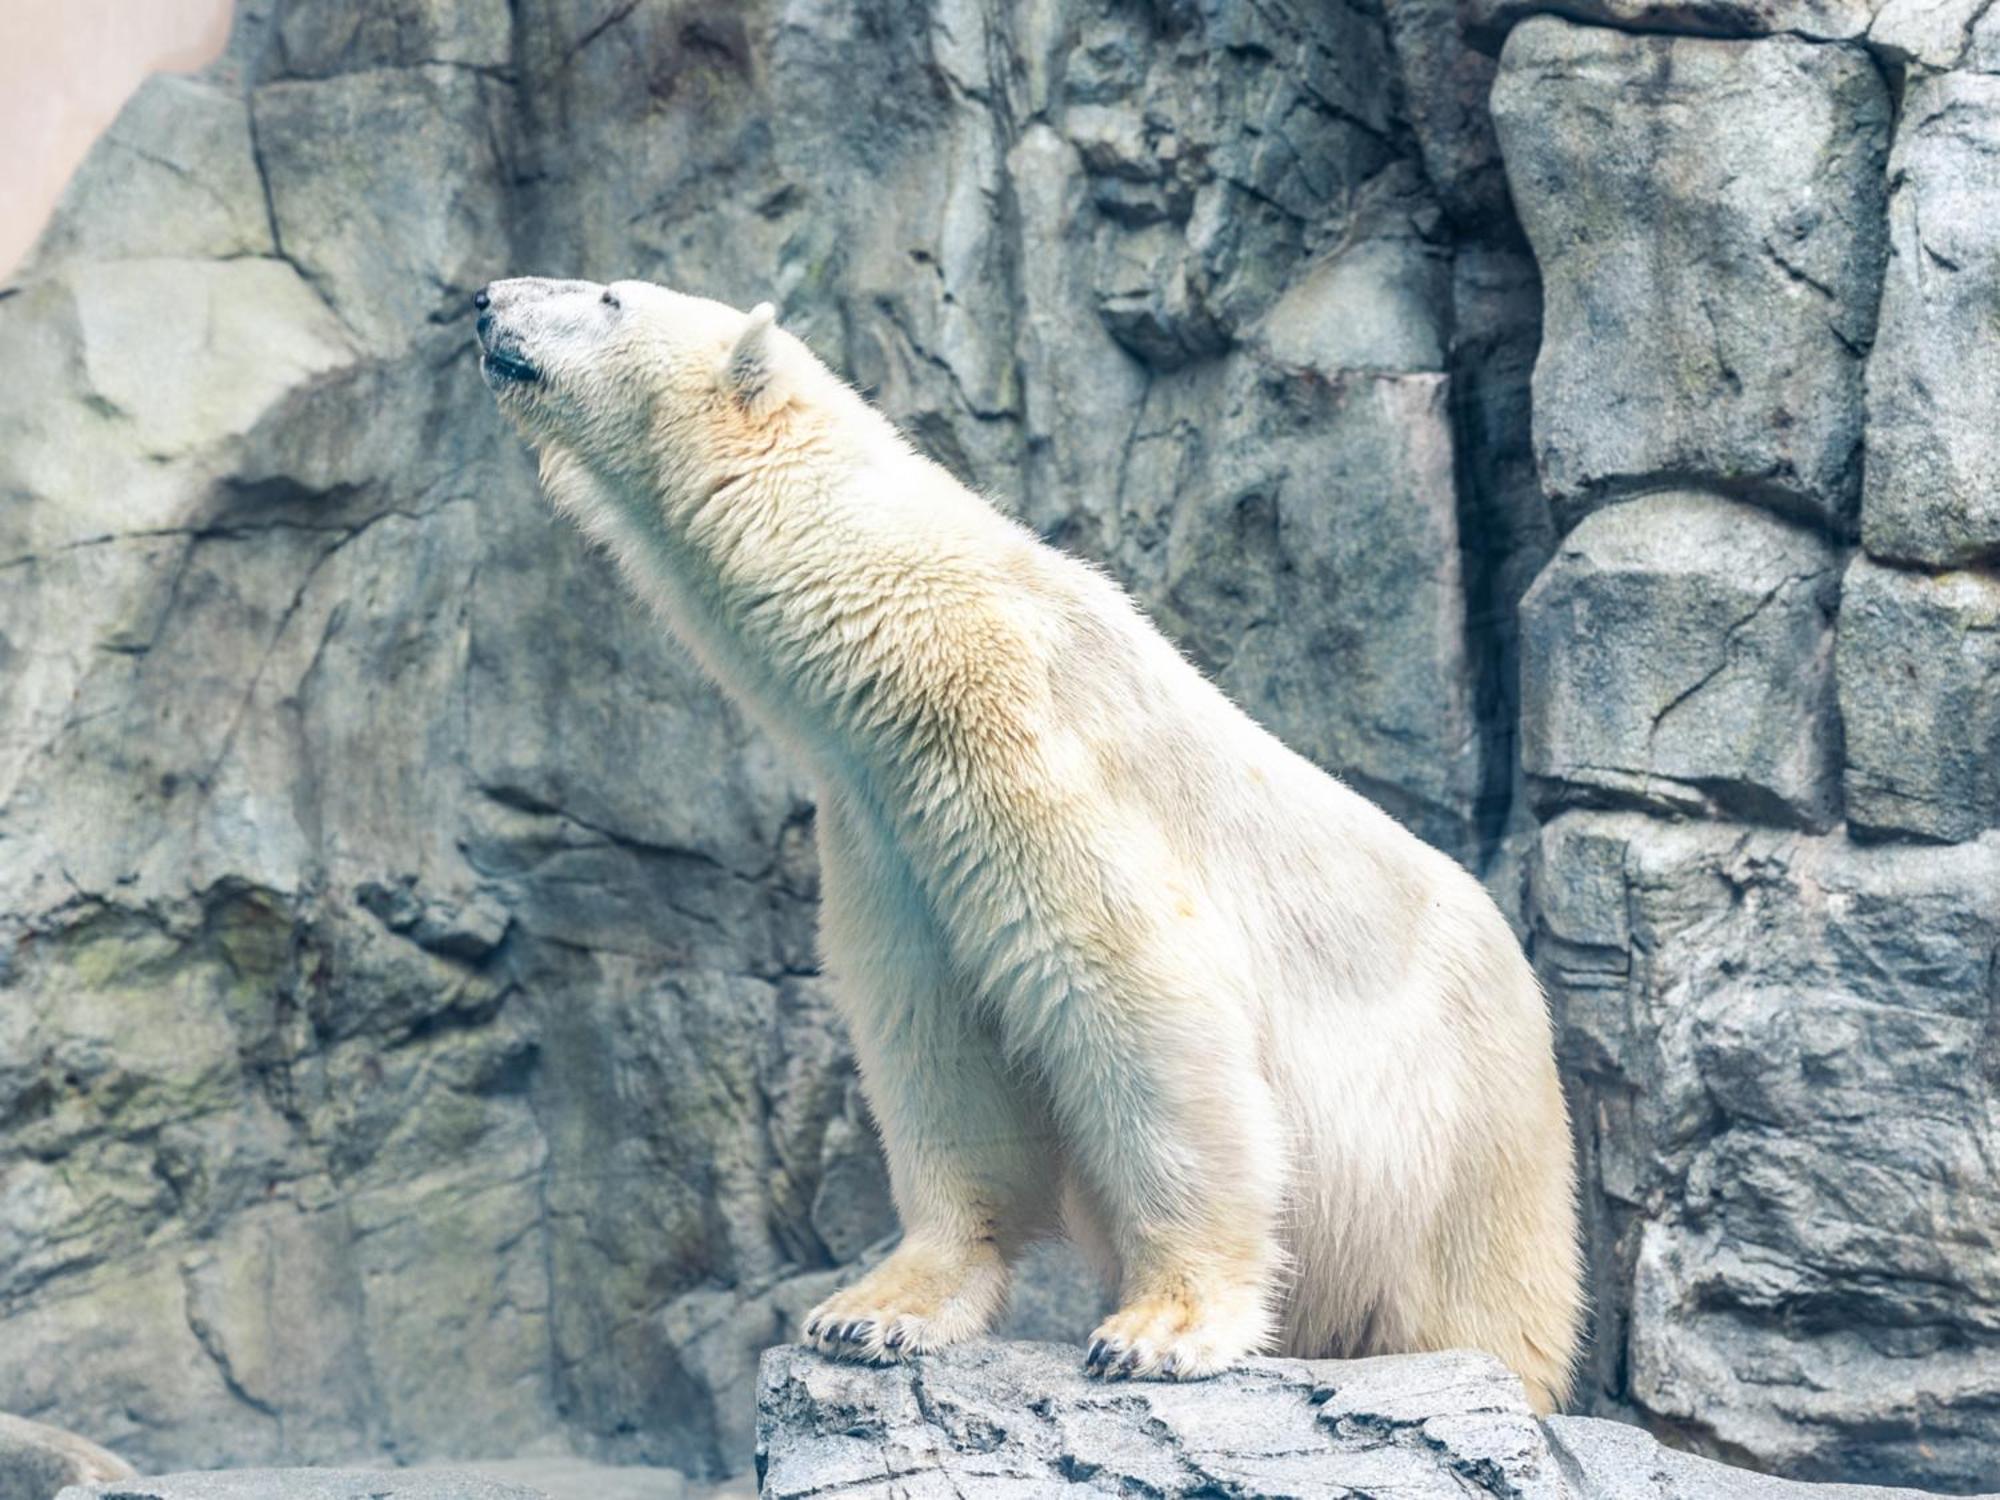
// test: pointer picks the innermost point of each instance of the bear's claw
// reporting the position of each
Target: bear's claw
(1114, 1359)
(1173, 1338)
(918, 1300)
(850, 1339)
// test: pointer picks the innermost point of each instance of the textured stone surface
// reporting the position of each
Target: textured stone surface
(175, 175)
(562, 1478)
(1937, 34)
(1678, 653)
(1022, 1419)
(309, 1484)
(1708, 221)
(1784, 1051)
(1305, 614)
(1613, 1461)
(1487, 21)
(1920, 701)
(317, 40)
(398, 240)
(1445, 84)
(36, 1460)
(1780, 1044)
(1933, 483)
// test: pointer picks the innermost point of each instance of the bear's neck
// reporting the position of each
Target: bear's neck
(827, 591)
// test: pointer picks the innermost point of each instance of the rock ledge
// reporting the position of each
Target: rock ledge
(1020, 1420)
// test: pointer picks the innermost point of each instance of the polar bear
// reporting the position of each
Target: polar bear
(1115, 961)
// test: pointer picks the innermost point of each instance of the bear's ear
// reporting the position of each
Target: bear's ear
(752, 374)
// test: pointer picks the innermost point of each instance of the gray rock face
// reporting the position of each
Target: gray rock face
(1390, 646)
(550, 1478)
(563, 1478)
(1933, 488)
(1445, 84)
(36, 1460)
(320, 40)
(175, 175)
(1022, 1420)
(1708, 221)
(1778, 1043)
(1613, 1461)
(308, 1484)
(1782, 1047)
(1937, 35)
(1488, 21)
(1678, 653)
(1920, 699)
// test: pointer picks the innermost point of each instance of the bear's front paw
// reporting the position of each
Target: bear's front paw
(917, 1300)
(1176, 1337)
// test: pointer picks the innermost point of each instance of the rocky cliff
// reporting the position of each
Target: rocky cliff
(408, 1028)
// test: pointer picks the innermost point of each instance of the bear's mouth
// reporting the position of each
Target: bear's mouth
(501, 368)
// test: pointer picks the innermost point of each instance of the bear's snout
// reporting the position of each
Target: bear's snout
(503, 361)
(518, 310)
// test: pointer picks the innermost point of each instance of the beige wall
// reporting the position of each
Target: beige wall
(65, 68)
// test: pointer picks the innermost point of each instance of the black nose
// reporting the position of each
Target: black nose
(481, 301)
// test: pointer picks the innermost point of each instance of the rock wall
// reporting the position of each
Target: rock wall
(409, 1040)
(1761, 719)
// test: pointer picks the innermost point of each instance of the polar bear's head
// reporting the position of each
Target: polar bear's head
(635, 383)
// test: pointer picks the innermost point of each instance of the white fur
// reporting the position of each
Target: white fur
(1110, 953)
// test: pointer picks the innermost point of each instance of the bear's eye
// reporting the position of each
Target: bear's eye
(610, 298)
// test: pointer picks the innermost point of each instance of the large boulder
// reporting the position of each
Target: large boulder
(36, 1460)
(1920, 701)
(1708, 220)
(1777, 1041)
(1677, 653)
(1019, 1420)
(1781, 1050)
(1933, 483)
(309, 1484)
